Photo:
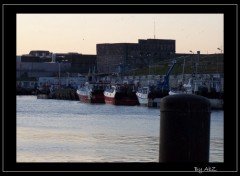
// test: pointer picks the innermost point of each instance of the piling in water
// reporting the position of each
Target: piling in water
(184, 128)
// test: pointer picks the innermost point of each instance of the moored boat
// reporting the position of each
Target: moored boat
(92, 92)
(121, 94)
(142, 95)
(212, 93)
(185, 88)
(150, 96)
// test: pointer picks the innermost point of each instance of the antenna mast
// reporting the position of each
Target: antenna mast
(154, 28)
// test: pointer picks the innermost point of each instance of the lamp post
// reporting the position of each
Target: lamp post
(183, 69)
(220, 50)
(195, 63)
(217, 57)
(191, 58)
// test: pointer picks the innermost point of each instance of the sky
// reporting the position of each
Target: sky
(63, 33)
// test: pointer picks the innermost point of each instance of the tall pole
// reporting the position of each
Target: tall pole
(220, 50)
(217, 63)
(191, 59)
(183, 69)
(197, 63)
(148, 67)
(59, 75)
(154, 28)
(217, 58)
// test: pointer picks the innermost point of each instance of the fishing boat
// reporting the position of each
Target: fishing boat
(121, 94)
(92, 92)
(210, 90)
(150, 95)
(185, 88)
(142, 95)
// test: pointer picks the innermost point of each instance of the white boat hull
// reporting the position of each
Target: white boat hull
(142, 99)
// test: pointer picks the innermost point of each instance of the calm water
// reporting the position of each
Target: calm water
(71, 131)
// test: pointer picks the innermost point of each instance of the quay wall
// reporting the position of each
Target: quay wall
(174, 80)
(61, 94)
(144, 80)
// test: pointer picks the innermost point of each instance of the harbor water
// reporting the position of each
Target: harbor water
(71, 131)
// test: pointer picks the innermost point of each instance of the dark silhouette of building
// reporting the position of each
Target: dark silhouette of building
(133, 55)
(81, 63)
(40, 64)
(40, 53)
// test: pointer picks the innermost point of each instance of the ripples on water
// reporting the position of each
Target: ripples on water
(71, 131)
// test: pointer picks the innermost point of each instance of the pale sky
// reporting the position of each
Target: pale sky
(63, 33)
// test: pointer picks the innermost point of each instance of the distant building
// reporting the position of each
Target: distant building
(40, 63)
(40, 53)
(41, 69)
(133, 55)
(81, 63)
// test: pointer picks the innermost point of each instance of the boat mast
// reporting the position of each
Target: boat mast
(183, 69)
